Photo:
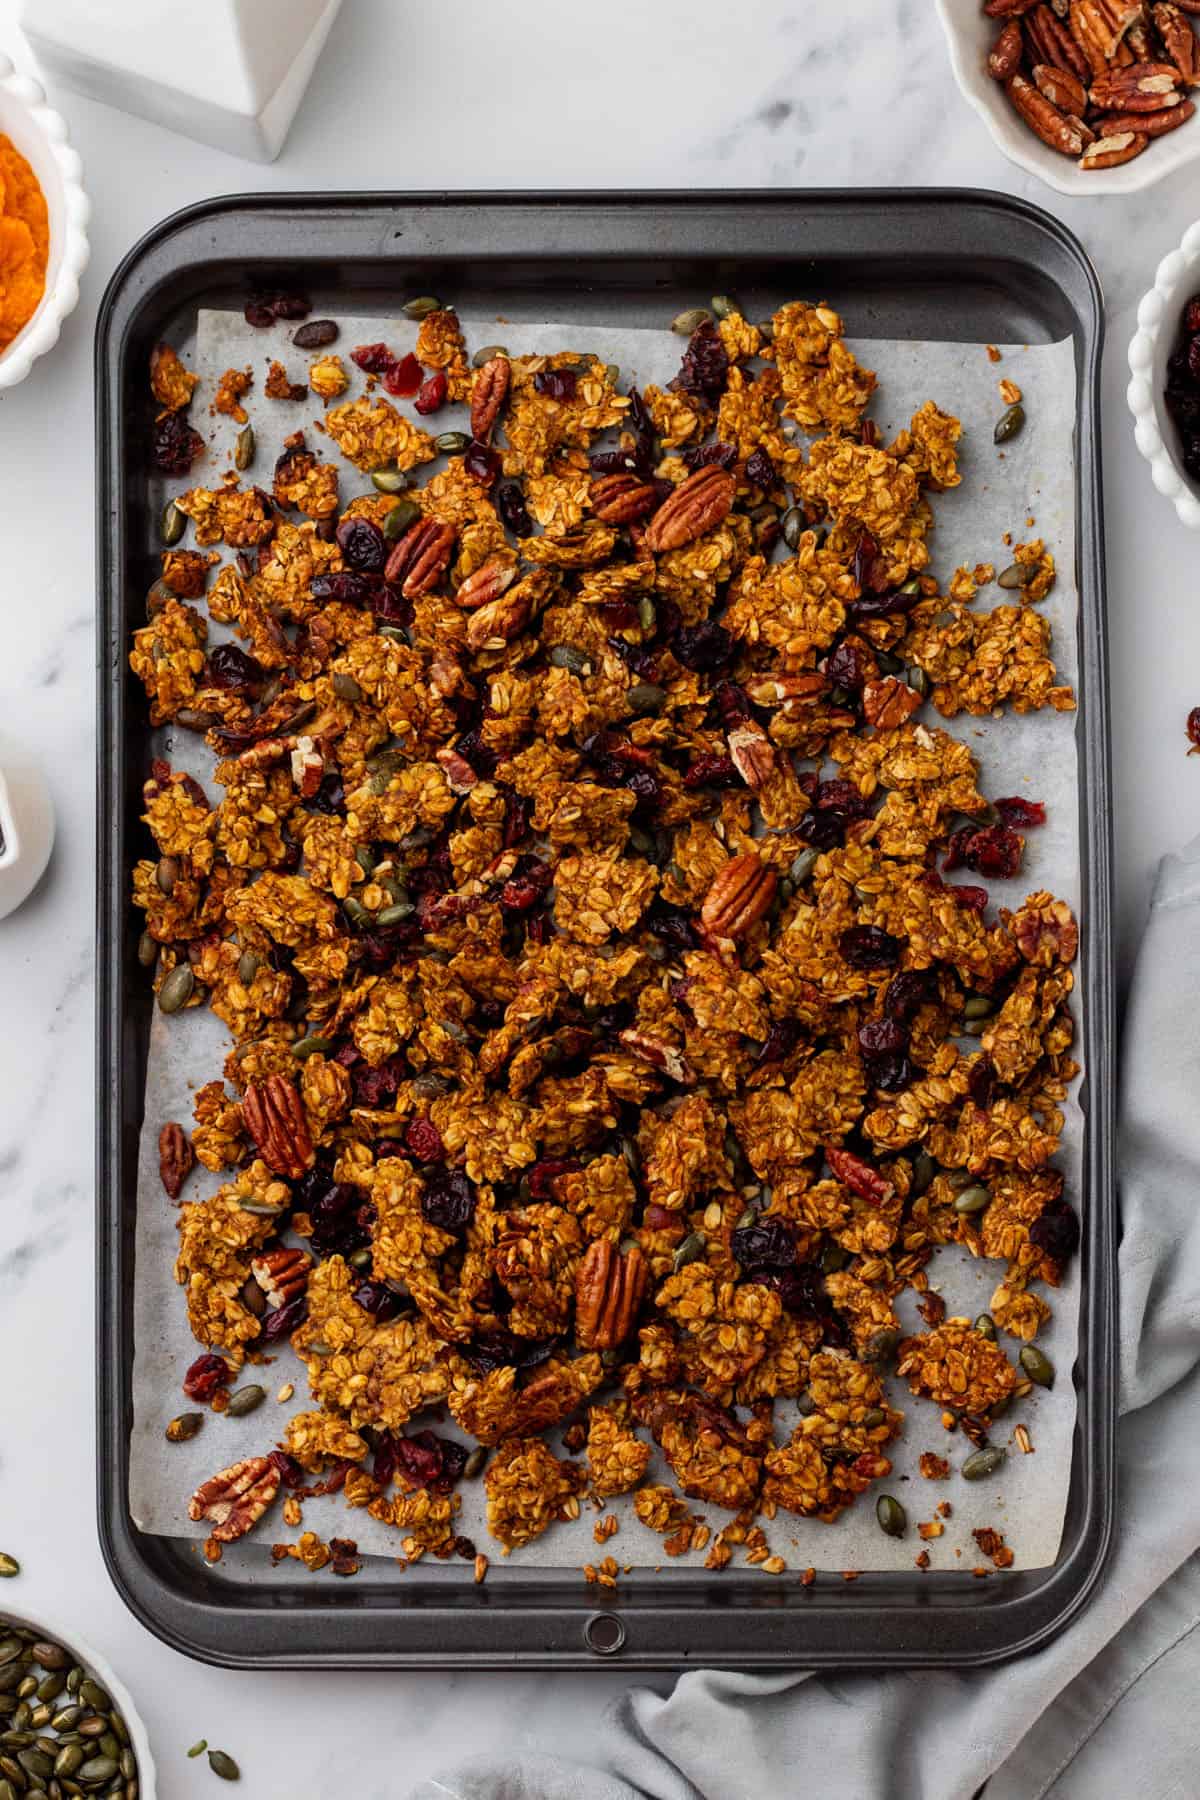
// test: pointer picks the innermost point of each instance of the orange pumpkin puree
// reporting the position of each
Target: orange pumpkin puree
(24, 242)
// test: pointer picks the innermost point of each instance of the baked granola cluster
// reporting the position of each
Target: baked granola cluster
(608, 1038)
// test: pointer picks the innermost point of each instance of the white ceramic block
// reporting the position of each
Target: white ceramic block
(230, 73)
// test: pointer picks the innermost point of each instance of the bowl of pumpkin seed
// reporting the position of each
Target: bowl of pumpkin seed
(67, 1724)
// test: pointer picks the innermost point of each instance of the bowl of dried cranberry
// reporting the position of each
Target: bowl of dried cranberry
(1164, 389)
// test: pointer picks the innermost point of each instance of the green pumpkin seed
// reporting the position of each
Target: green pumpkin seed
(94, 1694)
(110, 1744)
(985, 1325)
(911, 586)
(11, 1648)
(474, 1463)
(891, 1515)
(354, 909)
(977, 1027)
(881, 1344)
(806, 1406)
(314, 1045)
(395, 634)
(49, 1688)
(647, 613)
(1039, 1368)
(396, 915)
(39, 1718)
(984, 1463)
(747, 1218)
(399, 518)
(245, 1400)
(1012, 577)
(566, 656)
(13, 1770)
(918, 681)
(873, 1417)
(93, 1726)
(421, 307)
(978, 1007)
(172, 523)
(724, 306)
(360, 1259)
(147, 955)
(192, 719)
(488, 353)
(177, 989)
(1009, 424)
(612, 374)
(889, 664)
(224, 1766)
(99, 1768)
(644, 698)
(244, 447)
(972, 1199)
(64, 1721)
(128, 1763)
(74, 1679)
(199, 1747)
(785, 890)
(684, 323)
(28, 1686)
(181, 1428)
(451, 443)
(8, 1791)
(389, 481)
(167, 874)
(345, 687)
(803, 866)
(793, 526)
(366, 858)
(690, 1251)
(41, 1766)
(9, 1566)
(833, 1259)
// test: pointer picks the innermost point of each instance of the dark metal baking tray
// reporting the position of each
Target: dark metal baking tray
(956, 265)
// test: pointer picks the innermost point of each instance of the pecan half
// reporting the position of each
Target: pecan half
(276, 1120)
(1007, 9)
(739, 897)
(752, 754)
(1143, 87)
(1179, 40)
(1004, 58)
(620, 499)
(282, 1274)
(859, 1176)
(1148, 125)
(609, 1289)
(236, 1498)
(421, 558)
(175, 1157)
(1110, 152)
(1043, 119)
(697, 504)
(1061, 88)
(493, 625)
(887, 703)
(1050, 42)
(486, 584)
(1099, 27)
(487, 396)
(460, 776)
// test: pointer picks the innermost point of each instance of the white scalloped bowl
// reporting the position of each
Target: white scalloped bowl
(41, 136)
(1177, 279)
(970, 34)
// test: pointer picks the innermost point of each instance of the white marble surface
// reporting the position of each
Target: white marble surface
(515, 94)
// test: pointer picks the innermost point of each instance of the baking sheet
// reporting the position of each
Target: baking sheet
(1035, 755)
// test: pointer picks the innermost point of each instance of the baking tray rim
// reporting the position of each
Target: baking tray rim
(197, 1627)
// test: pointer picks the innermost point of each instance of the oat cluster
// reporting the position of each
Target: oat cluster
(610, 1046)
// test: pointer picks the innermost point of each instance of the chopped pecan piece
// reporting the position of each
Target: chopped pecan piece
(275, 1118)
(609, 1288)
(752, 754)
(486, 584)
(236, 1498)
(175, 1158)
(859, 1176)
(421, 558)
(282, 1275)
(487, 396)
(1051, 42)
(1109, 152)
(1179, 40)
(620, 499)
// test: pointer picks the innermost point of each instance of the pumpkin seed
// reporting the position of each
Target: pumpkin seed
(794, 525)
(421, 307)
(313, 1045)
(803, 866)
(389, 480)
(685, 323)
(93, 1726)
(74, 1679)
(891, 1515)
(11, 1648)
(977, 1027)
(13, 1770)
(984, 1463)
(890, 665)
(244, 447)
(345, 687)
(177, 989)
(724, 304)
(110, 1745)
(912, 586)
(396, 915)
(262, 1209)
(918, 681)
(972, 1199)
(612, 374)
(395, 634)
(167, 874)
(183, 1427)
(785, 890)
(8, 1566)
(28, 1686)
(1012, 577)
(451, 443)
(1009, 424)
(978, 1007)
(985, 1325)
(224, 1766)
(881, 1344)
(39, 1718)
(128, 1763)
(41, 1766)
(354, 909)
(747, 1218)
(192, 719)
(1039, 1368)
(7, 1790)
(474, 1463)
(833, 1259)
(566, 656)
(644, 697)
(360, 1259)
(245, 1400)
(488, 352)
(690, 1251)
(199, 1747)
(63, 1721)
(147, 955)
(99, 1768)
(873, 1417)
(806, 1406)
(94, 1694)
(172, 524)
(647, 613)
(49, 1688)
(399, 518)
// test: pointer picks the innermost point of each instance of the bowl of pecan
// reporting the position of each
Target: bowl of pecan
(1164, 387)
(1093, 96)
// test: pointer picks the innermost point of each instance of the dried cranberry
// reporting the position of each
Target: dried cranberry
(982, 1082)
(843, 796)
(449, 1199)
(175, 445)
(518, 810)
(1055, 1231)
(337, 1227)
(648, 788)
(481, 462)
(703, 648)
(780, 1041)
(1193, 727)
(802, 1291)
(733, 703)
(823, 829)
(849, 666)
(205, 1376)
(431, 395)
(870, 570)
(672, 927)
(390, 606)
(353, 589)
(362, 545)
(503, 1349)
(1021, 814)
(877, 606)
(767, 1245)
(291, 306)
(643, 662)
(377, 1087)
(377, 1298)
(233, 670)
(403, 378)
(537, 928)
(711, 771)
(975, 899)
(1193, 357)
(556, 384)
(760, 469)
(869, 947)
(380, 948)
(705, 367)
(710, 456)
(290, 1474)
(481, 757)
(1191, 314)
(614, 462)
(424, 1140)
(526, 885)
(880, 1037)
(545, 1173)
(281, 1321)
(906, 993)
(889, 1073)
(329, 798)
(373, 359)
(992, 850)
(514, 515)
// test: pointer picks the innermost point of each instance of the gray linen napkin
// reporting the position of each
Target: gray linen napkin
(1106, 1710)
